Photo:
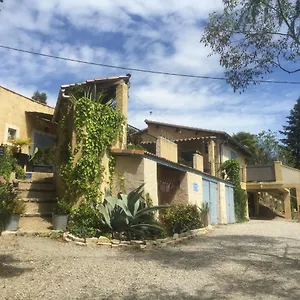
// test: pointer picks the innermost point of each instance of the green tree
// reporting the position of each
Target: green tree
(255, 37)
(40, 97)
(250, 142)
(292, 135)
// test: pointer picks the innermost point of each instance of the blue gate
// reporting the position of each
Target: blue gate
(230, 205)
(210, 195)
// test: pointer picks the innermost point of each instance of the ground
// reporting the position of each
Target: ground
(253, 260)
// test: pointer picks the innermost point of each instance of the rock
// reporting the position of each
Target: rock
(80, 244)
(137, 242)
(175, 236)
(104, 244)
(115, 245)
(115, 241)
(125, 243)
(143, 247)
(67, 239)
(92, 240)
(103, 239)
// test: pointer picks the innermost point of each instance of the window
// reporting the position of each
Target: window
(11, 134)
(233, 155)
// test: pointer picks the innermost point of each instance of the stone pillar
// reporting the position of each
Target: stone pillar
(198, 162)
(247, 206)
(287, 205)
(256, 204)
(211, 157)
(277, 169)
(244, 173)
(122, 107)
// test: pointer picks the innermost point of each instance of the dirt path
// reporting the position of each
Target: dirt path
(254, 260)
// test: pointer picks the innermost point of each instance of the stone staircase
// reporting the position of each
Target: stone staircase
(39, 196)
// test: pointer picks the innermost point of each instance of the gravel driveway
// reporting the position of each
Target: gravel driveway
(254, 260)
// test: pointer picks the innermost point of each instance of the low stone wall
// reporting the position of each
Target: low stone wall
(142, 244)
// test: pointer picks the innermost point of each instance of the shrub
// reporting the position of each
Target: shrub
(62, 207)
(20, 173)
(180, 218)
(86, 222)
(7, 199)
(7, 163)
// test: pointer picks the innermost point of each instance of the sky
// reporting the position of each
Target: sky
(157, 35)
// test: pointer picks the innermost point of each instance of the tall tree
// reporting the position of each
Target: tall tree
(41, 97)
(249, 141)
(292, 134)
(255, 37)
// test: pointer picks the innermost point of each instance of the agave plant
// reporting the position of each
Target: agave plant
(123, 213)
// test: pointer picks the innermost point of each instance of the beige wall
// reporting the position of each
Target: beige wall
(194, 196)
(226, 154)
(12, 114)
(290, 175)
(166, 149)
(129, 174)
(150, 179)
(222, 204)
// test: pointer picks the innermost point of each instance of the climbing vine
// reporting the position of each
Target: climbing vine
(97, 127)
(231, 168)
(111, 169)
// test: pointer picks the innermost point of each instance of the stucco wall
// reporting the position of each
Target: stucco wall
(129, 174)
(226, 154)
(290, 175)
(222, 204)
(12, 114)
(150, 179)
(166, 149)
(195, 191)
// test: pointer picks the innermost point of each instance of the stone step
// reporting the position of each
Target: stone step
(38, 176)
(35, 224)
(39, 194)
(36, 186)
(39, 208)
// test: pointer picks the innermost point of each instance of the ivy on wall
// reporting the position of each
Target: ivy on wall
(232, 169)
(97, 127)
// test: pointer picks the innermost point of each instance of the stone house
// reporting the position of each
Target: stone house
(22, 118)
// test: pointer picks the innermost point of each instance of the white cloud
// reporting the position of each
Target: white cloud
(157, 35)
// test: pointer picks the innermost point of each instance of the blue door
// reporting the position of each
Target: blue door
(210, 195)
(230, 205)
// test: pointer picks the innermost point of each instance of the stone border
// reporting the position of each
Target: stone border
(54, 234)
(104, 241)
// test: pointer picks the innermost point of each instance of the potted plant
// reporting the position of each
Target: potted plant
(204, 209)
(61, 214)
(17, 149)
(17, 209)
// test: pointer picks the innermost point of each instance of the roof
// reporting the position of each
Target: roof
(112, 79)
(215, 132)
(39, 115)
(27, 98)
(199, 138)
(108, 80)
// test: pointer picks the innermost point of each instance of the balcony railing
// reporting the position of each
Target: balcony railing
(260, 173)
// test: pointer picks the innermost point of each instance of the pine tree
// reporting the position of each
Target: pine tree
(40, 97)
(292, 134)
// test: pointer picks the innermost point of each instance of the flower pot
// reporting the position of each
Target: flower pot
(204, 219)
(13, 223)
(60, 222)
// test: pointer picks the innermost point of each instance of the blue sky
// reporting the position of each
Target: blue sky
(158, 35)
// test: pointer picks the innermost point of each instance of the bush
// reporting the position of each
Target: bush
(7, 200)
(86, 222)
(181, 218)
(7, 163)
(20, 173)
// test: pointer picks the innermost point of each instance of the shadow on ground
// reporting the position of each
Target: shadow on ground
(244, 266)
(8, 268)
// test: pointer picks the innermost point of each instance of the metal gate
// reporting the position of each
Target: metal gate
(230, 205)
(210, 195)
